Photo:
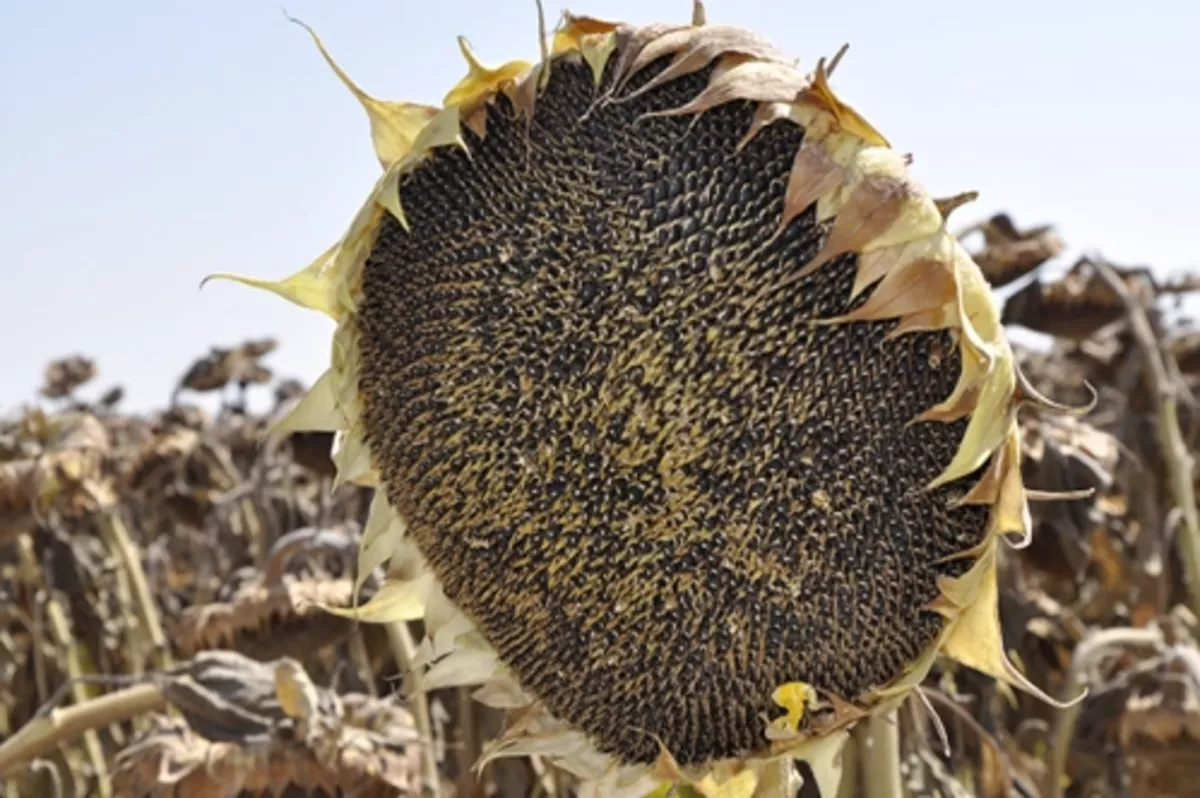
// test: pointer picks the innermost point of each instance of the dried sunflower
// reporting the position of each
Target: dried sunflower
(693, 428)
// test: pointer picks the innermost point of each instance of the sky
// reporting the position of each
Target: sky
(146, 144)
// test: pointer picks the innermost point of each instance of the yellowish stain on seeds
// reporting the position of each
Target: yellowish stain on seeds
(922, 280)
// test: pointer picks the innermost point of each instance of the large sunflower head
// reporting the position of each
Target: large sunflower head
(693, 428)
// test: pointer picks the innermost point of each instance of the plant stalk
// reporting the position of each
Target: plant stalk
(877, 741)
(405, 650)
(147, 610)
(1174, 449)
(42, 735)
(1086, 653)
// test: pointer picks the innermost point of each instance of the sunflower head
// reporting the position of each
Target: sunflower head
(693, 429)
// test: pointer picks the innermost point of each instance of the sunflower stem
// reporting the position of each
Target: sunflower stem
(405, 650)
(1086, 653)
(362, 660)
(849, 785)
(131, 562)
(468, 752)
(1160, 368)
(71, 652)
(42, 735)
(878, 748)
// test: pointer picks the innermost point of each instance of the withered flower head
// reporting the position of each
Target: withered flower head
(698, 424)
(62, 377)
(220, 367)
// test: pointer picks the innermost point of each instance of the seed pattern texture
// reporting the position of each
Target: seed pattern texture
(596, 392)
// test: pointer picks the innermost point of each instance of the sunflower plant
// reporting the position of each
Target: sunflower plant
(692, 428)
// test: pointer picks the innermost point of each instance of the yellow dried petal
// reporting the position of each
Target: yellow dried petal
(344, 366)
(352, 458)
(667, 43)
(310, 288)
(482, 81)
(793, 697)
(395, 601)
(937, 319)
(696, 47)
(740, 786)
(443, 131)
(896, 692)
(394, 125)
(765, 115)
(441, 642)
(974, 638)
(756, 81)
(316, 412)
(820, 94)
(990, 421)
(502, 693)
(389, 196)
(294, 690)
(980, 317)
(879, 206)
(592, 38)
(462, 668)
(814, 174)
(917, 287)
(589, 765)
(382, 535)
(1010, 512)
(596, 51)
(987, 489)
(573, 29)
(558, 744)
(346, 261)
(880, 261)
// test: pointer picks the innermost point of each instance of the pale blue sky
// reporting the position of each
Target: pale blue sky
(145, 144)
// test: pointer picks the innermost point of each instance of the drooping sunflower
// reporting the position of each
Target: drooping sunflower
(693, 429)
